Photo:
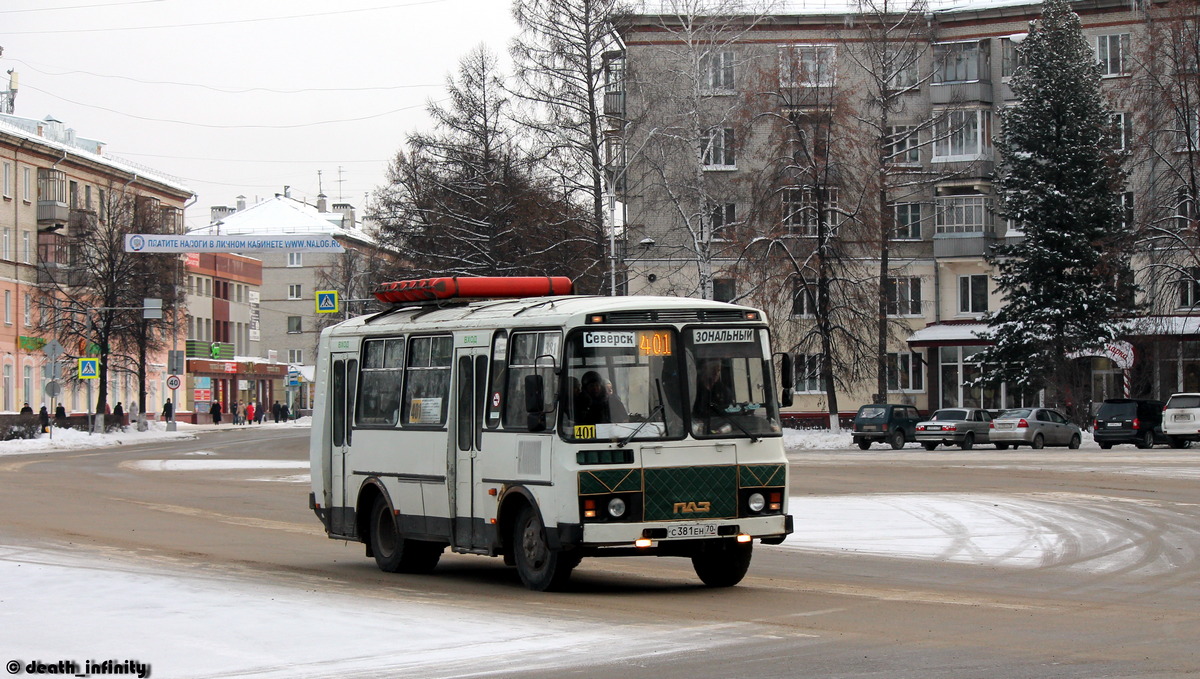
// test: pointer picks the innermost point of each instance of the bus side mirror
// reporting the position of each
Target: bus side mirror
(787, 378)
(535, 398)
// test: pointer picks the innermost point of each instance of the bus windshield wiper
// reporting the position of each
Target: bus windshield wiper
(730, 420)
(657, 409)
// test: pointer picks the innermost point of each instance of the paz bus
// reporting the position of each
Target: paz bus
(507, 417)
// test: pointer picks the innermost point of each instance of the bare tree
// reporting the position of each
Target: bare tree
(560, 67)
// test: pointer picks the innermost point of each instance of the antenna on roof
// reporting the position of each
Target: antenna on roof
(320, 188)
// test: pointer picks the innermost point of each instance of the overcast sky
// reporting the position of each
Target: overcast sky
(245, 97)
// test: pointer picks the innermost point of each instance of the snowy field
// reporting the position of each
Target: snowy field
(196, 622)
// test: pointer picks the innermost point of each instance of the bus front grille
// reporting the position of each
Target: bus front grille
(691, 493)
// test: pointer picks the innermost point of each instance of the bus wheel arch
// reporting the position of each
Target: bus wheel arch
(370, 490)
(512, 502)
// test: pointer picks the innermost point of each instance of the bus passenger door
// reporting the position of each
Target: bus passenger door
(470, 392)
(343, 383)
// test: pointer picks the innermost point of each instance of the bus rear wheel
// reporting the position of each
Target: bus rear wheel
(394, 553)
(541, 568)
(724, 563)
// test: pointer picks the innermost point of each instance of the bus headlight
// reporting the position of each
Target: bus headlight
(616, 508)
(756, 502)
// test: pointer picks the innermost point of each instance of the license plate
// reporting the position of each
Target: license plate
(1114, 424)
(1004, 425)
(1182, 418)
(870, 427)
(934, 427)
(693, 530)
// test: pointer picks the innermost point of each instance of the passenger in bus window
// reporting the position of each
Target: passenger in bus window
(596, 405)
(713, 396)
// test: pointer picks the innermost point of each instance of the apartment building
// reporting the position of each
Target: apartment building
(846, 158)
(52, 181)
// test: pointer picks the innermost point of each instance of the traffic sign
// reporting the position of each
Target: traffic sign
(89, 368)
(53, 349)
(173, 382)
(52, 389)
(327, 301)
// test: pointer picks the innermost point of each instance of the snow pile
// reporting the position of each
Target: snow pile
(816, 439)
(75, 439)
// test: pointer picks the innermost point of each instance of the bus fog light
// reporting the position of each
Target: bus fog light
(742, 537)
(616, 508)
(643, 542)
(756, 502)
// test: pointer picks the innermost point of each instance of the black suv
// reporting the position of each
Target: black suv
(885, 422)
(1129, 420)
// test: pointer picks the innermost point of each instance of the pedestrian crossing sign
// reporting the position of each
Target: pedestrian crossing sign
(327, 301)
(89, 368)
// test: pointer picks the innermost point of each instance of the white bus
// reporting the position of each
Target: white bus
(545, 429)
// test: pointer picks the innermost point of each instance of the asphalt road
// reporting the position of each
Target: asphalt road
(1125, 604)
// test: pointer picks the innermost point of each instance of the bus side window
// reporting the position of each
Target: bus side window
(382, 368)
(495, 392)
(530, 353)
(427, 380)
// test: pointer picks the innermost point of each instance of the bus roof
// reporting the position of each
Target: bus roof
(544, 311)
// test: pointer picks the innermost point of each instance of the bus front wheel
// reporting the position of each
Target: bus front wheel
(395, 554)
(724, 563)
(541, 569)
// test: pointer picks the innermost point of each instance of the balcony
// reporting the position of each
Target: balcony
(977, 92)
(614, 104)
(972, 244)
(52, 212)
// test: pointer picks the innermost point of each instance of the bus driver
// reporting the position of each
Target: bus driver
(596, 405)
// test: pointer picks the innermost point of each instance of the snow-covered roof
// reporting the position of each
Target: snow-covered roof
(817, 7)
(282, 215)
(86, 149)
(947, 333)
(1164, 325)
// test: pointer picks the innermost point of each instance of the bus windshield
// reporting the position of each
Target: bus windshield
(729, 379)
(622, 384)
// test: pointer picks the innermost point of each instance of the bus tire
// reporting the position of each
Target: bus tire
(395, 554)
(723, 563)
(541, 569)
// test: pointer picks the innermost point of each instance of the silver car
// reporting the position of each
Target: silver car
(1037, 427)
(963, 427)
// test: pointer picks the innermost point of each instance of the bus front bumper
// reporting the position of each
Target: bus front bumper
(770, 529)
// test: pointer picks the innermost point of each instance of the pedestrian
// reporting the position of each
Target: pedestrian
(118, 415)
(215, 411)
(260, 413)
(283, 412)
(44, 418)
(168, 411)
(249, 413)
(133, 412)
(233, 413)
(60, 412)
(26, 409)
(275, 411)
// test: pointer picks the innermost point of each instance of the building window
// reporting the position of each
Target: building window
(801, 211)
(973, 294)
(1112, 52)
(724, 289)
(964, 214)
(8, 387)
(904, 372)
(26, 185)
(957, 62)
(8, 180)
(808, 373)
(804, 299)
(6, 244)
(905, 73)
(296, 356)
(27, 383)
(716, 71)
(294, 324)
(1011, 58)
(294, 291)
(807, 65)
(1127, 210)
(28, 310)
(907, 220)
(716, 148)
(720, 216)
(902, 146)
(1189, 288)
(962, 135)
(903, 296)
(1122, 130)
(295, 259)
(8, 307)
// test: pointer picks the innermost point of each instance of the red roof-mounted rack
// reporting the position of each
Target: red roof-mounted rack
(483, 287)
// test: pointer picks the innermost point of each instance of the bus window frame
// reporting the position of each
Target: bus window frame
(497, 381)
(358, 396)
(406, 401)
(763, 342)
(680, 365)
(520, 423)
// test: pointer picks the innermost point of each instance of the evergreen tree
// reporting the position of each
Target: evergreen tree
(1067, 284)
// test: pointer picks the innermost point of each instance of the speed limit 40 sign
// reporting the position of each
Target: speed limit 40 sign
(173, 382)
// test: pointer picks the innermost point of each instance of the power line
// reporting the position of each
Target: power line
(225, 90)
(227, 22)
(229, 127)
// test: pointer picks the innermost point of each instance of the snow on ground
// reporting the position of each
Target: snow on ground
(64, 605)
(74, 439)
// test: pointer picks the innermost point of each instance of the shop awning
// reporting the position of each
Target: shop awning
(947, 335)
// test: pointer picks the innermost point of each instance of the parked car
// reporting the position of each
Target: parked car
(1129, 420)
(1181, 419)
(1036, 427)
(896, 424)
(963, 427)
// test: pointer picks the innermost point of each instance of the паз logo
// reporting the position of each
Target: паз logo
(692, 507)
